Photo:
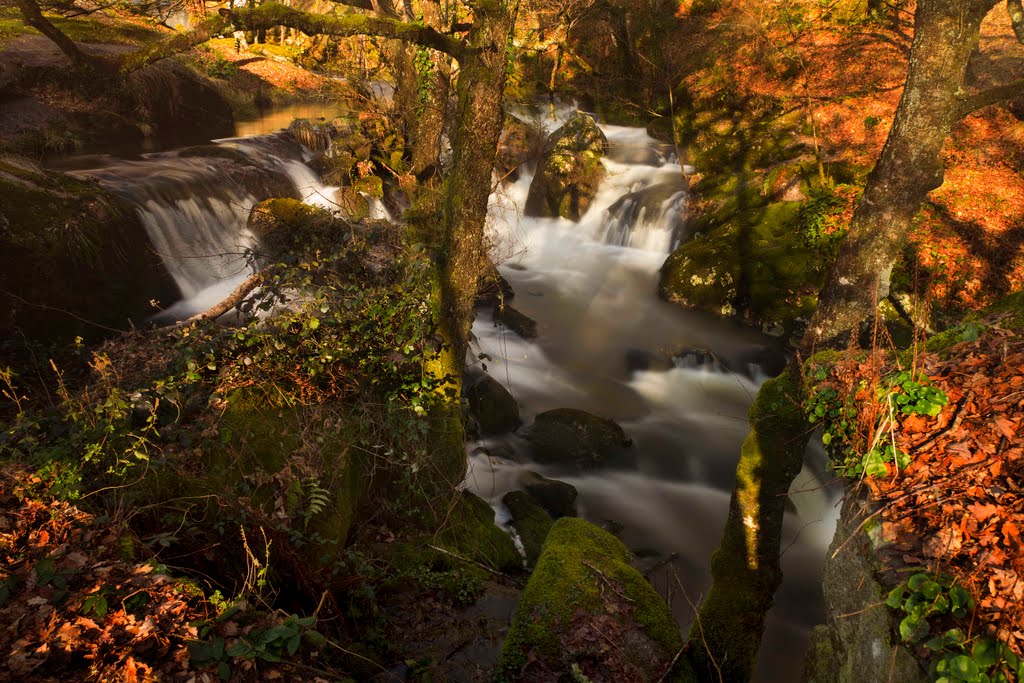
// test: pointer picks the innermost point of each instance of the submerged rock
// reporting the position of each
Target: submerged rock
(493, 406)
(570, 170)
(556, 497)
(520, 323)
(581, 596)
(568, 436)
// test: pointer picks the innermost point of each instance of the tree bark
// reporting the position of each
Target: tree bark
(910, 166)
(275, 14)
(726, 636)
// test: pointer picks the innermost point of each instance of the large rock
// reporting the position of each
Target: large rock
(470, 531)
(582, 596)
(270, 452)
(74, 259)
(746, 259)
(569, 436)
(493, 406)
(570, 170)
(515, 320)
(531, 522)
(556, 497)
(860, 641)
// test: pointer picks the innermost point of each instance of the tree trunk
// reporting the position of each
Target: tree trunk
(459, 243)
(726, 635)
(910, 166)
(429, 126)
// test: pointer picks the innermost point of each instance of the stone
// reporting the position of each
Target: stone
(531, 522)
(556, 497)
(569, 171)
(513, 319)
(493, 406)
(567, 436)
(582, 595)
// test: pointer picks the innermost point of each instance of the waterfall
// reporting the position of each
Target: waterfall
(195, 207)
(678, 382)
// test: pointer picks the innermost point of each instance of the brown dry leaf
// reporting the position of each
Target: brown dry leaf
(1004, 427)
(983, 511)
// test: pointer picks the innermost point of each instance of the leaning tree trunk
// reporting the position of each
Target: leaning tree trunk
(724, 640)
(911, 165)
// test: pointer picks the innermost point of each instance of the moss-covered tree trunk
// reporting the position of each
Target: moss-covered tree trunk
(726, 635)
(460, 250)
(434, 76)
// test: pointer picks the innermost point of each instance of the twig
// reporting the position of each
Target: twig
(250, 283)
(474, 563)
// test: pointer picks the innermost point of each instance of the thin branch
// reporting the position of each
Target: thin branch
(994, 95)
(273, 14)
(224, 306)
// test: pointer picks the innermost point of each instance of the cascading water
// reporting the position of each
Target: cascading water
(604, 346)
(195, 207)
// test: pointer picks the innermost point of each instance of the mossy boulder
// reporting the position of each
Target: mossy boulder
(531, 522)
(582, 595)
(269, 452)
(74, 258)
(570, 170)
(860, 642)
(492, 288)
(520, 142)
(492, 405)
(471, 532)
(352, 204)
(568, 436)
(513, 319)
(557, 498)
(276, 221)
(746, 259)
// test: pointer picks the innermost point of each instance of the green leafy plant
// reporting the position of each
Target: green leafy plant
(860, 441)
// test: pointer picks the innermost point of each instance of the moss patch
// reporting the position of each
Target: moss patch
(470, 531)
(746, 259)
(74, 256)
(582, 594)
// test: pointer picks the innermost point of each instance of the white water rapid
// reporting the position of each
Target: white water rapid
(591, 288)
(605, 345)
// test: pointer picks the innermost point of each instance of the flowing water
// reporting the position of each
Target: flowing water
(606, 345)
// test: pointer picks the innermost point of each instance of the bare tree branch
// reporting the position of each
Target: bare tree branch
(250, 283)
(274, 14)
(994, 95)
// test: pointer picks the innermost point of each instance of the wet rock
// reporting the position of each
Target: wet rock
(520, 142)
(492, 288)
(520, 323)
(698, 359)
(570, 170)
(353, 205)
(471, 532)
(556, 497)
(72, 252)
(746, 260)
(531, 522)
(568, 436)
(493, 406)
(582, 595)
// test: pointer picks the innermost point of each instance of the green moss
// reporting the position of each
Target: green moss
(74, 253)
(577, 582)
(747, 258)
(82, 29)
(745, 568)
(530, 521)
(470, 531)
(371, 185)
(217, 151)
(267, 441)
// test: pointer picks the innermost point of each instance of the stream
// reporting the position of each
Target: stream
(606, 344)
